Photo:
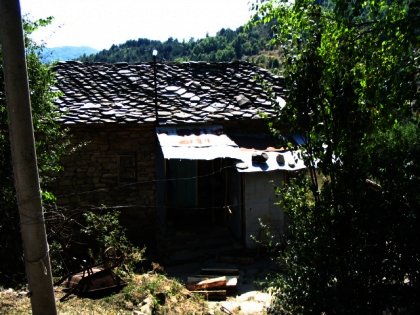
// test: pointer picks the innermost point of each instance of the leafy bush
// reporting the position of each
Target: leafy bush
(109, 242)
(351, 69)
(95, 236)
(362, 256)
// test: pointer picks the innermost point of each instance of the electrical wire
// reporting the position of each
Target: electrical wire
(28, 220)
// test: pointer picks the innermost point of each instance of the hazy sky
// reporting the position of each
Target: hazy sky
(101, 23)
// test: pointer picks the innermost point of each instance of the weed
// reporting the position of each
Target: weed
(166, 296)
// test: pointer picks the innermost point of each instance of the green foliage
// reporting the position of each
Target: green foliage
(144, 294)
(350, 71)
(227, 45)
(109, 242)
(157, 294)
(50, 145)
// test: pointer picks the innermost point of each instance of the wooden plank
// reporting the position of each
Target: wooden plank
(209, 284)
(232, 286)
(232, 282)
(198, 278)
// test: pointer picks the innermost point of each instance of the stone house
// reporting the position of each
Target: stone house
(174, 146)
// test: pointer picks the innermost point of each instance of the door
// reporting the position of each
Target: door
(182, 183)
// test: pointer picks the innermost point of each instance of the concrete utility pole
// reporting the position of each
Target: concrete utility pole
(37, 261)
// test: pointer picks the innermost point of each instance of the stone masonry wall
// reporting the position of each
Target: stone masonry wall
(113, 166)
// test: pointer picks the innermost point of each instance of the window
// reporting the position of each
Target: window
(127, 172)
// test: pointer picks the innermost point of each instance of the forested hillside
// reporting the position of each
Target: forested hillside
(65, 53)
(240, 44)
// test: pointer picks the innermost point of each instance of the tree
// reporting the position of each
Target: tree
(50, 144)
(350, 68)
(227, 45)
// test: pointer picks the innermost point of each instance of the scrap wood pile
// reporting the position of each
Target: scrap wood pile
(214, 284)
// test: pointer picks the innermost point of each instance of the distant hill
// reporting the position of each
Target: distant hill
(228, 45)
(66, 53)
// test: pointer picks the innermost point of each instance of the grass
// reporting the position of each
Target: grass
(156, 292)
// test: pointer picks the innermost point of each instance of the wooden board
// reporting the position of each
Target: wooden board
(198, 278)
(208, 284)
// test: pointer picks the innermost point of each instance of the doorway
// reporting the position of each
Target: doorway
(196, 191)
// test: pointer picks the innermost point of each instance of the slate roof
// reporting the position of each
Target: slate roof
(188, 93)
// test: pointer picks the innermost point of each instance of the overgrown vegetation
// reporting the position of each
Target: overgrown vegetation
(149, 293)
(109, 240)
(51, 144)
(92, 235)
(351, 71)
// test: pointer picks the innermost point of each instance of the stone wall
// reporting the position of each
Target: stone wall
(113, 166)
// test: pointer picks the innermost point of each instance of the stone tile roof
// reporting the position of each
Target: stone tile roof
(188, 93)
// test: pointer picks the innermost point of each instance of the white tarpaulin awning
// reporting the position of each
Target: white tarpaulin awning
(285, 160)
(196, 143)
(210, 142)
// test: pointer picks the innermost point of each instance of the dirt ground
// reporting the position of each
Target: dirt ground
(250, 299)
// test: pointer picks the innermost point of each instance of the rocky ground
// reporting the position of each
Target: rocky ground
(154, 293)
(251, 298)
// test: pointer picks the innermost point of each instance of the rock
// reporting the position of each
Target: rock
(146, 307)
